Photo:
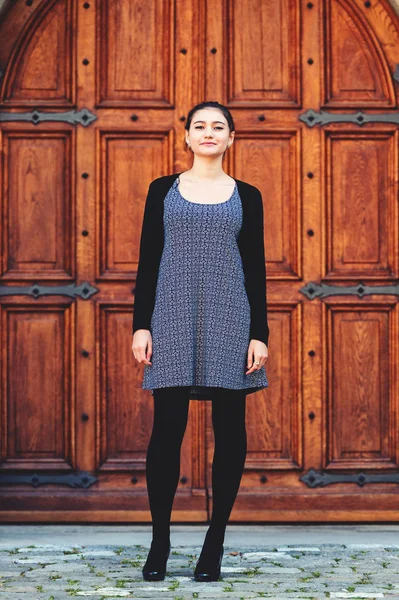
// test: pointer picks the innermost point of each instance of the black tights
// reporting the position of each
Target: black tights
(171, 406)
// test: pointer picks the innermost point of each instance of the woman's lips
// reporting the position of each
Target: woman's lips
(208, 144)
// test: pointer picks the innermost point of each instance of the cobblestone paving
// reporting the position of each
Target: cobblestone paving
(56, 572)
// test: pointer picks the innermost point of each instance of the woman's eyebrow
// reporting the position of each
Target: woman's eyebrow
(212, 122)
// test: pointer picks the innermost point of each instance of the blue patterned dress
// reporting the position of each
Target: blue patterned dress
(201, 319)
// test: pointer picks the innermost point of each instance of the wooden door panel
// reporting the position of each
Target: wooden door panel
(124, 424)
(270, 160)
(362, 404)
(136, 54)
(38, 232)
(38, 425)
(362, 212)
(129, 162)
(273, 420)
(356, 72)
(43, 64)
(261, 50)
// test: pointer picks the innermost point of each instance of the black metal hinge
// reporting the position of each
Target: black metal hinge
(84, 290)
(313, 118)
(322, 478)
(321, 290)
(75, 117)
(79, 479)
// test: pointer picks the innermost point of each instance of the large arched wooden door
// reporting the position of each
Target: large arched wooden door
(94, 97)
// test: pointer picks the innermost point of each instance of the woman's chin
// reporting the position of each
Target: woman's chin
(208, 151)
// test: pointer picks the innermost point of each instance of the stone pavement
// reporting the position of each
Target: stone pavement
(275, 562)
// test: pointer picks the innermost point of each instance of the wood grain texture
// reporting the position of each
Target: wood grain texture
(72, 203)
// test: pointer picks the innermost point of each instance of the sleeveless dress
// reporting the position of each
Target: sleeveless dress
(201, 319)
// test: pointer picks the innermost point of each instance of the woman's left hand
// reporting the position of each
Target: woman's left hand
(257, 351)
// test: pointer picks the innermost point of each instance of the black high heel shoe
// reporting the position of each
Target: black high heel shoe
(154, 568)
(209, 564)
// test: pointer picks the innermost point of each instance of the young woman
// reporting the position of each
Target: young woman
(200, 324)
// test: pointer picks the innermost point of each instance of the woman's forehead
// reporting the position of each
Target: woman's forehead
(209, 115)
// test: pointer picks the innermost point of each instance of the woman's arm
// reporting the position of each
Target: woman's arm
(252, 249)
(151, 247)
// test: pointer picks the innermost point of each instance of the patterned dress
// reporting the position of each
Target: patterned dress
(201, 319)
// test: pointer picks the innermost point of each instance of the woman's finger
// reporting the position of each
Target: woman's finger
(251, 364)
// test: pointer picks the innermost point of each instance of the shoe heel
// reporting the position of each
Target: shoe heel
(154, 568)
(205, 570)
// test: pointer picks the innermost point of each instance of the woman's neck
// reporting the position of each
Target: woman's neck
(203, 172)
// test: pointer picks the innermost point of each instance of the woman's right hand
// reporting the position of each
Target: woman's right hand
(142, 346)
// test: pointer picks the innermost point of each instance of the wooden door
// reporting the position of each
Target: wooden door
(94, 97)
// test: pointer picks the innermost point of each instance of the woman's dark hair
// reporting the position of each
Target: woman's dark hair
(209, 104)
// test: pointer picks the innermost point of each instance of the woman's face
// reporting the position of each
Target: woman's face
(209, 133)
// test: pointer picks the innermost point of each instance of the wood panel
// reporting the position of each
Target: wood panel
(362, 209)
(362, 406)
(262, 53)
(277, 152)
(136, 55)
(37, 407)
(356, 72)
(38, 235)
(123, 194)
(43, 59)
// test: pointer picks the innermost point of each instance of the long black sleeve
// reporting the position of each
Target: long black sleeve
(151, 247)
(251, 244)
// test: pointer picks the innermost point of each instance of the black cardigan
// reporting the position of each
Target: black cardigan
(250, 242)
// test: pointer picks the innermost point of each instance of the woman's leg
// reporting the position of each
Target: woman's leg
(171, 407)
(228, 418)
